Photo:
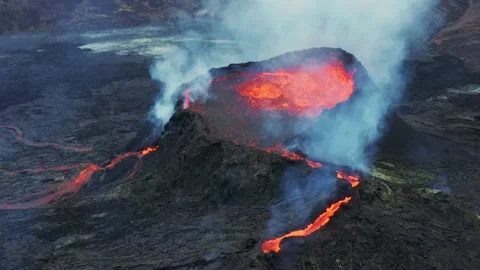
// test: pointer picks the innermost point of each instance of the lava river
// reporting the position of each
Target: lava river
(296, 93)
(70, 187)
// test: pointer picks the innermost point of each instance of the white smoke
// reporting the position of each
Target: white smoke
(377, 32)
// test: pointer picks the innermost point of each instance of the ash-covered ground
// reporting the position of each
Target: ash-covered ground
(200, 202)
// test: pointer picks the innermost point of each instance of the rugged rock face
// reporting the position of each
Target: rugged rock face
(32, 15)
(461, 36)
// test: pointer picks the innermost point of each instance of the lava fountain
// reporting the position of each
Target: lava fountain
(297, 86)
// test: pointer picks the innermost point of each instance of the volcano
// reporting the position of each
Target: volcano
(203, 201)
(297, 86)
(245, 99)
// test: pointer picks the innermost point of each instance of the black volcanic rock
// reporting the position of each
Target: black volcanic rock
(439, 128)
(203, 202)
(33, 15)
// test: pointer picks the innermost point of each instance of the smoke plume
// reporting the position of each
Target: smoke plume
(378, 33)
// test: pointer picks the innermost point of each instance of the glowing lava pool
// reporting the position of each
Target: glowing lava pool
(247, 100)
(301, 92)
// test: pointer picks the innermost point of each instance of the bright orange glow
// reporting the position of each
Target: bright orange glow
(292, 156)
(354, 180)
(302, 92)
(298, 92)
(274, 245)
(69, 187)
(148, 150)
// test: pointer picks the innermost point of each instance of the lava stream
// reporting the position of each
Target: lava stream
(354, 180)
(54, 192)
(298, 92)
(19, 137)
(75, 184)
(274, 244)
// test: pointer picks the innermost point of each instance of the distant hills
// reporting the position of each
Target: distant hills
(58, 15)
(456, 23)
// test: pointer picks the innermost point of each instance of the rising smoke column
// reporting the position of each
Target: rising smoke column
(378, 33)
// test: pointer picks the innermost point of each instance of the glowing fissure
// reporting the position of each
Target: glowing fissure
(70, 187)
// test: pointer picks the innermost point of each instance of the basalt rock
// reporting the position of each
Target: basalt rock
(202, 202)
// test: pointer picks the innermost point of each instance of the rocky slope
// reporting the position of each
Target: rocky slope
(461, 36)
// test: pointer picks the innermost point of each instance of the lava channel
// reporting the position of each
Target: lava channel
(324, 218)
(70, 187)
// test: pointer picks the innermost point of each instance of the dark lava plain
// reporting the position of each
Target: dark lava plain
(204, 203)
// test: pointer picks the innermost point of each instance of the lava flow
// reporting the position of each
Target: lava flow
(298, 92)
(292, 156)
(274, 245)
(70, 187)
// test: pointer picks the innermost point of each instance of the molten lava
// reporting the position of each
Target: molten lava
(282, 94)
(301, 92)
(292, 156)
(274, 244)
(69, 187)
(354, 180)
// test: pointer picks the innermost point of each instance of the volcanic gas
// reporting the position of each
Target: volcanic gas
(282, 91)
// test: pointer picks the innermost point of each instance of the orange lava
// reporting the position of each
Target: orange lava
(354, 180)
(274, 244)
(148, 150)
(292, 156)
(70, 187)
(302, 92)
(299, 92)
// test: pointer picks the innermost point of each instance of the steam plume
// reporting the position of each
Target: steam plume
(378, 33)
